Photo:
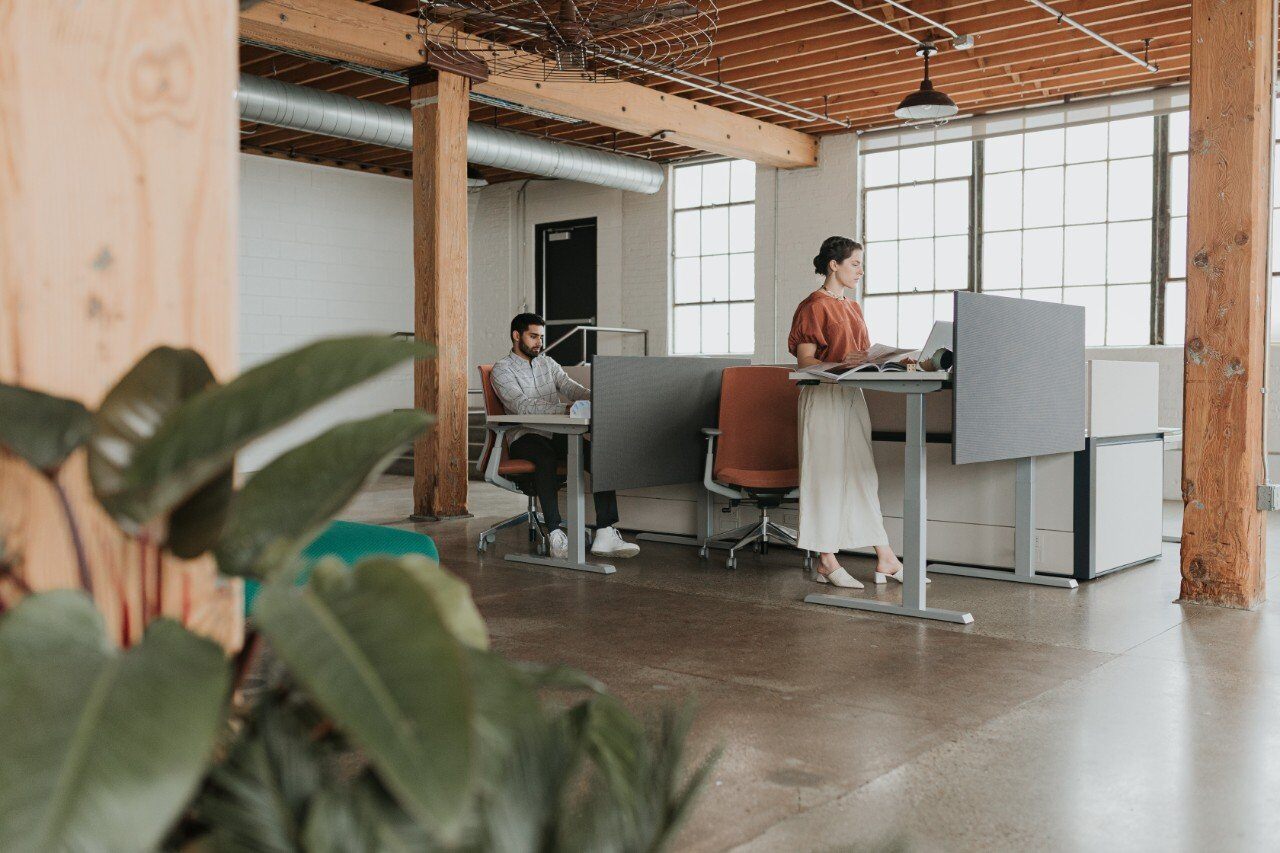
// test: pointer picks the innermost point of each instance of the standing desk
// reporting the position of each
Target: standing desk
(575, 429)
(915, 385)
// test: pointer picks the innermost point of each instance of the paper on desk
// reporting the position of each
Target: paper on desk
(580, 409)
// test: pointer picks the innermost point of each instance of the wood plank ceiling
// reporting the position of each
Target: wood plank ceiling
(799, 51)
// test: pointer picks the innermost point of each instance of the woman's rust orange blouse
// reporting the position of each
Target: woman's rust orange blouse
(834, 325)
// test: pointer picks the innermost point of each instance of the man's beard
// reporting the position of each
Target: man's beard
(527, 351)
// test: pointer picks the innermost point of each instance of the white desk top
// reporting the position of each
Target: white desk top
(876, 376)
(539, 420)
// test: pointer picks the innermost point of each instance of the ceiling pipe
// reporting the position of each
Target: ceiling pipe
(300, 108)
(930, 21)
(1068, 20)
(873, 19)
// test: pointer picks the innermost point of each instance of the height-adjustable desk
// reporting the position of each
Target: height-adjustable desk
(1018, 392)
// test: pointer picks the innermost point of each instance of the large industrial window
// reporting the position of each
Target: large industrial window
(713, 268)
(917, 213)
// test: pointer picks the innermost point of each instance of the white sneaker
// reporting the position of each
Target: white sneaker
(559, 544)
(609, 543)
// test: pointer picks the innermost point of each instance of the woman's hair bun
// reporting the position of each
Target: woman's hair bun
(836, 249)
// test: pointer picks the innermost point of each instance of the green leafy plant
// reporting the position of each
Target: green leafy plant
(366, 713)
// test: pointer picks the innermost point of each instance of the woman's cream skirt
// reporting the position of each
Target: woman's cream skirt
(839, 500)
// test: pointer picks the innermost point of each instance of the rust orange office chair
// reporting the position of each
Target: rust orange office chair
(753, 457)
(514, 475)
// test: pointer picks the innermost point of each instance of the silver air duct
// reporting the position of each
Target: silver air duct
(328, 114)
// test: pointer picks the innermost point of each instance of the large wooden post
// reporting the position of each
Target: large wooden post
(1228, 229)
(440, 290)
(118, 147)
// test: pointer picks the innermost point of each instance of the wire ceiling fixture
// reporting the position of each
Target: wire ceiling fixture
(571, 39)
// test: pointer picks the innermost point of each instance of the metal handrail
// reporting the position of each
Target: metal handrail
(584, 329)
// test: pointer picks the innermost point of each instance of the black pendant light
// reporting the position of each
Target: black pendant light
(926, 103)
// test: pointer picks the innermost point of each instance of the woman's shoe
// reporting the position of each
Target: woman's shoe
(881, 578)
(840, 578)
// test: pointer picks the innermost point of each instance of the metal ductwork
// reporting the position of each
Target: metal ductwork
(329, 114)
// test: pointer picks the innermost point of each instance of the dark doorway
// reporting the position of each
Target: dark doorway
(565, 264)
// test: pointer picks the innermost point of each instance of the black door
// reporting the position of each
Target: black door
(565, 261)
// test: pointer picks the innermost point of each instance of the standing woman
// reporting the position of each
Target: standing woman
(839, 501)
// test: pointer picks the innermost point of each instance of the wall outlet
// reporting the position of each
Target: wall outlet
(1269, 497)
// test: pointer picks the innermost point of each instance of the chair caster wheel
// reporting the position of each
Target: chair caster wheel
(731, 563)
(703, 553)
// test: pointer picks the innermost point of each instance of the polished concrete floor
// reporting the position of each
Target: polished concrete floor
(1105, 718)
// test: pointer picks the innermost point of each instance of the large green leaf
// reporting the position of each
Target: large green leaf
(130, 416)
(279, 511)
(41, 428)
(372, 645)
(101, 748)
(197, 442)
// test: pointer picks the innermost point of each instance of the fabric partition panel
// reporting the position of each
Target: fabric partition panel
(647, 415)
(1019, 378)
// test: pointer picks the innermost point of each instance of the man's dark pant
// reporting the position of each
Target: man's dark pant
(545, 454)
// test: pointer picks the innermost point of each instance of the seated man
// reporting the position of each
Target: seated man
(527, 382)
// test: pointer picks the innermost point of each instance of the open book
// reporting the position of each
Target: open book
(884, 359)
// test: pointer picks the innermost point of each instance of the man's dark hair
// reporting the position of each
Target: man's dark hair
(522, 322)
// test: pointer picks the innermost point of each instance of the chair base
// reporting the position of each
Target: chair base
(762, 531)
(529, 517)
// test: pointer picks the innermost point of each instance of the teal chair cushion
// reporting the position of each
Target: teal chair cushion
(350, 542)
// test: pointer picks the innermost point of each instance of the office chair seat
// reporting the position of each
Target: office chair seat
(522, 467)
(746, 478)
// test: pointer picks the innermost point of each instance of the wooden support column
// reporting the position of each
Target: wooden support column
(440, 290)
(118, 187)
(1223, 533)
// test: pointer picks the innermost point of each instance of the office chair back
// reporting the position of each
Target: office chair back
(492, 407)
(758, 413)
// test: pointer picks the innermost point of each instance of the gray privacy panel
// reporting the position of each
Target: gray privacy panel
(647, 415)
(1019, 378)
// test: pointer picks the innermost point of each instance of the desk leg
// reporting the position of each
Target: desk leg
(577, 559)
(915, 516)
(1024, 538)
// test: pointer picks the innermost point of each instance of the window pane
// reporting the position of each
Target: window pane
(715, 328)
(686, 320)
(1087, 142)
(915, 319)
(944, 308)
(1003, 203)
(951, 263)
(1086, 193)
(742, 181)
(951, 208)
(686, 237)
(915, 265)
(1179, 130)
(915, 164)
(1178, 247)
(881, 314)
(1042, 257)
(687, 280)
(1002, 261)
(1129, 189)
(915, 211)
(1042, 192)
(954, 159)
(715, 279)
(742, 328)
(1085, 255)
(882, 268)
(715, 230)
(882, 215)
(742, 228)
(1094, 300)
(1044, 294)
(1128, 254)
(1128, 315)
(880, 168)
(1131, 137)
(742, 276)
(1043, 148)
(1175, 313)
(1178, 185)
(688, 186)
(715, 183)
(1002, 154)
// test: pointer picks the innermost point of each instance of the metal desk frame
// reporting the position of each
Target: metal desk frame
(915, 516)
(575, 429)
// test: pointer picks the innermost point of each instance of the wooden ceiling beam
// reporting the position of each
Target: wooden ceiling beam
(358, 32)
